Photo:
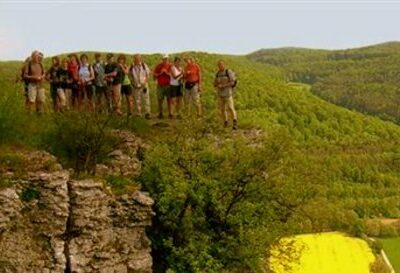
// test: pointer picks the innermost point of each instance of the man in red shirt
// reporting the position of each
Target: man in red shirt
(162, 74)
(192, 78)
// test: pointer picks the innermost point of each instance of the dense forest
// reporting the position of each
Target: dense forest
(364, 79)
(297, 164)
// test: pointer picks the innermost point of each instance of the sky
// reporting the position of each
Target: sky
(168, 26)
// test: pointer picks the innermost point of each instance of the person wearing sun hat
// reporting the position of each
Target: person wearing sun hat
(162, 74)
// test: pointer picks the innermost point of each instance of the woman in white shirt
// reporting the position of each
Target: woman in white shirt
(176, 93)
(86, 77)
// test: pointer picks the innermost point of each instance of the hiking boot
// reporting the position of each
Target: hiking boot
(147, 116)
(234, 127)
(225, 124)
(160, 116)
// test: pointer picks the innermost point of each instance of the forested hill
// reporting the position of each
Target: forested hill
(297, 164)
(366, 79)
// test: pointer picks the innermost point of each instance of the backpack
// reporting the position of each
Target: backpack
(235, 82)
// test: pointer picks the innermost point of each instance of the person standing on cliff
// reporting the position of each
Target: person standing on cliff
(224, 83)
(34, 74)
(162, 74)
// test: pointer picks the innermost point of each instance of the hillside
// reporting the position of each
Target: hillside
(365, 79)
(336, 167)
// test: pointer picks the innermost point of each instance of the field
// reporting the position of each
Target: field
(326, 253)
(392, 250)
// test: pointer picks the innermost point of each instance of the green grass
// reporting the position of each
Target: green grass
(392, 250)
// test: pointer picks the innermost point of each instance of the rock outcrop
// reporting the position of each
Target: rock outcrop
(50, 223)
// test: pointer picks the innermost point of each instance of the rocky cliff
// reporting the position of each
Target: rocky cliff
(50, 223)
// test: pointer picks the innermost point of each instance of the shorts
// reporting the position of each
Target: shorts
(163, 92)
(126, 90)
(36, 93)
(175, 91)
(192, 94)
(101, 89)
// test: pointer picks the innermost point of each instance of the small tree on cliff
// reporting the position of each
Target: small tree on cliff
(217, 201)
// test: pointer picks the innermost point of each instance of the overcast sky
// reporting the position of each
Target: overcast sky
(236, 27)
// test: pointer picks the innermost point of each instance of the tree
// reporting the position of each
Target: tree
(216, 202)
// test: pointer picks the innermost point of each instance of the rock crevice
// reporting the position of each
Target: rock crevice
(50, 223)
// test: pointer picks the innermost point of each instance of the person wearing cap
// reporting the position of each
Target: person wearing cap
(162, 76)
(109, 69)
(34, 74)
(140, 76)
(192, 77)
(100, 84)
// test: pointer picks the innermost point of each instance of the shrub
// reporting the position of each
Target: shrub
(120, 185)
(81, 140)
(30, 193)
(215, 200)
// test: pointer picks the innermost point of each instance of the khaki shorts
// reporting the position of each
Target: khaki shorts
(193, 95)
(61, 93)
(36, 93)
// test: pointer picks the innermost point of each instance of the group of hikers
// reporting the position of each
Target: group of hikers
(101, 86)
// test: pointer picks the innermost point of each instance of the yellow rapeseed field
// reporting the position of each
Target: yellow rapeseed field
(323, 253)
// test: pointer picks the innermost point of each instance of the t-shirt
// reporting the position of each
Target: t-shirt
(53, 74)
(99, 71)
(109, 68)
(64, 76)
(119, 78)
(126, 80)
(140, 73)
(224, 77)
(176, 71)
(192, 73)
(74, 70)
(84, 72)
(163, 79)
(35, 70)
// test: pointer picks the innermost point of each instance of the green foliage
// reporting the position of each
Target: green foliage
(216, 207)
(81, 140)
(365, 79)
(121, 185)
(30, 193)
(343, 166)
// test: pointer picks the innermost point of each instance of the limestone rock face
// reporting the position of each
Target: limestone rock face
(52, 224)
(125, 159)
